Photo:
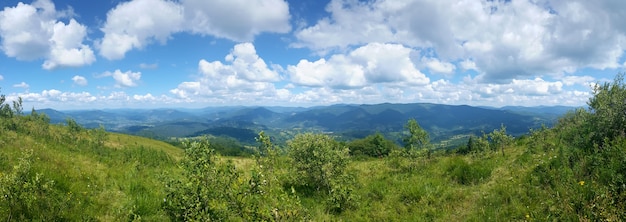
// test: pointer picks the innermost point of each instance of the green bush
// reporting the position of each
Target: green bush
(213, 189)
(320, 166)
(465, 173)
(375, 145)
(26, 195)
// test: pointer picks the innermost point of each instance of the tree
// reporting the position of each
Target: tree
(5, 109)
(212, 189)
(17, 106)
(320, 165)
(99, 136)
(416, 138)
(73, 126)
(375, 145)
(608, 108)
(500, 139)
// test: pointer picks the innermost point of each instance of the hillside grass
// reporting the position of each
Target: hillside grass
(54, 172)
(119, 180)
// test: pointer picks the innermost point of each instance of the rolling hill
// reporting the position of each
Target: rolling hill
(343, 120)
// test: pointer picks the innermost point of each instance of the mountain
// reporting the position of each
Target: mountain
(344, 120)
(54, 115)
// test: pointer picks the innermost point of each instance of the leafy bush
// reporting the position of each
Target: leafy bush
(608, 108)
(465, 173)
(375, 145)
(25, 195)
(213, 189)
(320, 165)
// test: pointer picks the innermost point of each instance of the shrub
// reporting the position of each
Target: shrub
(213, 189)
(465, 173)
(25, 195)
(320, 164)
(375, 145)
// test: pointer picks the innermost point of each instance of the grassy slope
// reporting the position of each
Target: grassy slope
(431, 192)
(434, 192)
(124, 179)
(119, 180)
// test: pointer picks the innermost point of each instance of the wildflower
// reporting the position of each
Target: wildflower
(582, 182)
(527, 216)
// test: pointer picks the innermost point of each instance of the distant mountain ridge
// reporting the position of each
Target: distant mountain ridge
(347, 120)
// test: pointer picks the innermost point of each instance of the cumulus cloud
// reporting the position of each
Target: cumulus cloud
(21, 85)
(238, 20)
(503, 40)
(370, 64)
(130, 26)
(437, 66)
(79, 80)
(32, 31)
(123, 79)
(136, 23)
(243, 77)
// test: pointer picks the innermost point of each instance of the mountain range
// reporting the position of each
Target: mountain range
(344, 120)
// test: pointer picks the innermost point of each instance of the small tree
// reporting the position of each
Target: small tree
(99, 136)
(17, 106)
(212, 189)
(608, 108)
(5, 109)
(320, 163)
(375, 145)
(500, 139)
(416, 137)
(73, 126)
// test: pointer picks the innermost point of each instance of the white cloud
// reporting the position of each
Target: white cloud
(136, 23)
(437, 66)
(505, 40)
(130, 26)
(57, 99)
(244, 77)
(32, 31)
(247, 64)
(149, 66)
(21, 85)
(123, 79)
(146, 97)
(578, 80)
(238, 20)
(370, 64)
(79, 80)
(1, 77)
(468, 65)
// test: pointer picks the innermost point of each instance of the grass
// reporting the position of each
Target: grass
(123, 179)
(119, 180)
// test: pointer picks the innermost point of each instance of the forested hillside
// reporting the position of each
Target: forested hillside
(572, 171)
(446, 123)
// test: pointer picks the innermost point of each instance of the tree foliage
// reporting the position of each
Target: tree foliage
(608, 108)
(320, 164)
(212, 189)
(375, 145)
(415, 137)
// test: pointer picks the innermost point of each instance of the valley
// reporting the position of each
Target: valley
(447, 124)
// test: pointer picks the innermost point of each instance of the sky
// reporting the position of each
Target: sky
(77, 54)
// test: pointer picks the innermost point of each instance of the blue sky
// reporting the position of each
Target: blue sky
(73, 54)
